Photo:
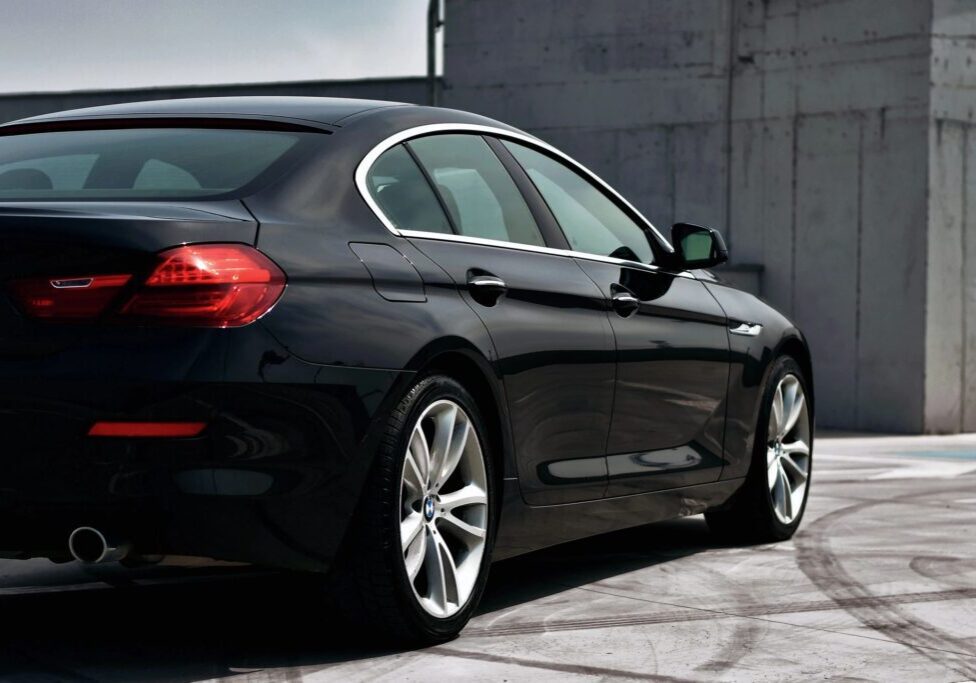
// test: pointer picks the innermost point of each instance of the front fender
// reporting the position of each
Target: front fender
(751, 359)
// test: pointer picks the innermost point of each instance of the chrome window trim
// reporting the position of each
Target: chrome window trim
(481, 241)
(362, 170)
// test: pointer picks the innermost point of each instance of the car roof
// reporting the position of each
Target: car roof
(321, 110)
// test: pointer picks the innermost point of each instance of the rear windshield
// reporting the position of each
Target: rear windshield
(139, 163)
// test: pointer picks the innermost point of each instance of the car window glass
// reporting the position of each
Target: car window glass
(137, 163)
(479, 194)
(403, 193)
(67, 172)
(591, 221)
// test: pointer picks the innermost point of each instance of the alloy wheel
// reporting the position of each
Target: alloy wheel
(788, 449)
(443, 508)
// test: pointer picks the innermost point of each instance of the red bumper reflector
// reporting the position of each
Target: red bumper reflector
(147, 429)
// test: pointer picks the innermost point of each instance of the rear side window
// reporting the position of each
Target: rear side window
(477, 190)
(138, 163)
(403, 193)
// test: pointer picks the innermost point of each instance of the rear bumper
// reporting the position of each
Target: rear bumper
(274, 478)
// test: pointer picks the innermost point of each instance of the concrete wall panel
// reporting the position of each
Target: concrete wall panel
(797, 126)
(826, 276)
(944, 301)
(778, 216)
(644, 160)
(969, 282)
(891, 320)
(699, 174)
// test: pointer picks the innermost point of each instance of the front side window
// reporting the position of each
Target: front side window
(403, 193)
(477, 191)
(591, 221)
(137, 163)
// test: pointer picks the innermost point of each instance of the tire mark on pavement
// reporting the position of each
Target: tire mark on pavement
(745, 634)
(816, 559)
(709, 613)
(578, 669)
(941, 568)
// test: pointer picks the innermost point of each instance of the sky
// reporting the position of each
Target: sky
(50, 45)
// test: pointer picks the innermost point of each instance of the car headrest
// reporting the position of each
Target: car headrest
(25, 179)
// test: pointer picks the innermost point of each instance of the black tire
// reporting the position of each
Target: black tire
(749, 516)
(369, 582)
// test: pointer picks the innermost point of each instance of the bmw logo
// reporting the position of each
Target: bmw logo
(428, 508)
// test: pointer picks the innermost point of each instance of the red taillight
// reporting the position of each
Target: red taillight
(73, 298)
(147, 429)
(210, 285)
(204, 285)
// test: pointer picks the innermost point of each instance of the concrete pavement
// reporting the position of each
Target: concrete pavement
(879, 585)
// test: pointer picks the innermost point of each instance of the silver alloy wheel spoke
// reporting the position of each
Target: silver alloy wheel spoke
(777, 416)
(793, 468)
(469, 495)
(441, 575)
(415, 554)
(459, 525)
(788, 449)
(443, 508)
(410, 527)
(453, 453)
(772, 471)
(412, 475)
(440, 450)
(796, 447)
(420, 453)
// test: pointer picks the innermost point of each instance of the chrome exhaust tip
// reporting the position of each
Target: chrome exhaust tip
(91, 546)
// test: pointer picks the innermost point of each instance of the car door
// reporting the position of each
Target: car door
(671, 337)
(546, 318)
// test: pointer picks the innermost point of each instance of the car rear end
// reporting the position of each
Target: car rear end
(140, 395)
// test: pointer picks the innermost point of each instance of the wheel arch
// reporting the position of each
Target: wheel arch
(795, 346)
(464, 363)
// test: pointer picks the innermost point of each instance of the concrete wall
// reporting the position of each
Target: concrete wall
(799, 127)
(16, 106)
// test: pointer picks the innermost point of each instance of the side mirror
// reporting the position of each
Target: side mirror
(696, 246)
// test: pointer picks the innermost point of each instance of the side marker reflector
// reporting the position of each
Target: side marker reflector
(147, 429)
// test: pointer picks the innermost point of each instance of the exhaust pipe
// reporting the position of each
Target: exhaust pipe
(91, 546)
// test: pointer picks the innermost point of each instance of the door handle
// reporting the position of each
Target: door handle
(624, 303)
(746, 329)
(487, 283)
(486, 289)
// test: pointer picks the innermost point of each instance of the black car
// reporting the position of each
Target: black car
(388, 342)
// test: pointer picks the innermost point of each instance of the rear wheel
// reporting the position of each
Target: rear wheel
(416, 559)
(771, 502)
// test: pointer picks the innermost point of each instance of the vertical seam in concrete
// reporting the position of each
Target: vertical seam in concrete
(793, 183)
(858, 273)
(728, 124)
(928, 223)
(793, 179)
(763, 141)
(962, 278)
(672, 188)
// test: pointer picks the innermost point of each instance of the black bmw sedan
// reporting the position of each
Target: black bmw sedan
(384, 342)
